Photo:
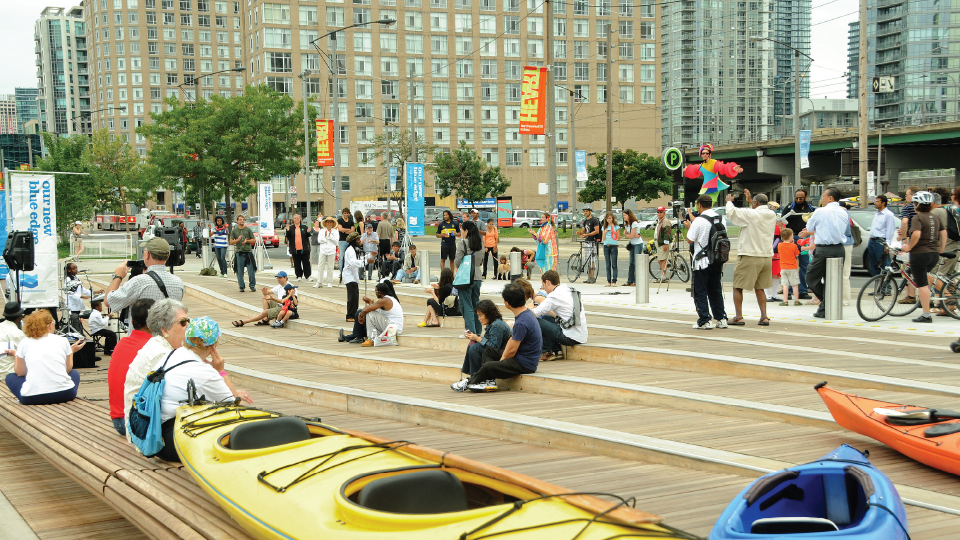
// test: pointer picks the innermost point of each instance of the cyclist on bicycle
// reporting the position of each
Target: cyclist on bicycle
(928, 239)
(663, 236)
(591, 235)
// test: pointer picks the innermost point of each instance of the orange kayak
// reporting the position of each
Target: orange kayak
(930, 436)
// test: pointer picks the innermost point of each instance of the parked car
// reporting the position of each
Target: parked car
(281, 220)
(269, 239)
(863, 217)
(526, 218)
(647, 218)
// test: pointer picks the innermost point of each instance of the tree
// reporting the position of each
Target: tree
(75, 194)
(118, 172)
(394, 146)
(635, 176)
(224, 146)
(464, 172)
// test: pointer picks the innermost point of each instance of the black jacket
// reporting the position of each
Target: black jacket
(304, 238)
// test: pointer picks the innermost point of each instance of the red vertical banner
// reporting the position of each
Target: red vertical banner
(533, 101)
(324, 143)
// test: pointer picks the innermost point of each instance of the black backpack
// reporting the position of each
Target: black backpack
(953, 222)
(717, 249)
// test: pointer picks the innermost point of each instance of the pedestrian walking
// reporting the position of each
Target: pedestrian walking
(789, 266)
(344, 227)
(490, 241)
(220, 243)
(755, 253)
(75, 233)
(546, 237)
(385, 233)
(610, 247)
(828, 223)
(794, 218)
(631, 228)
(707, 288)
(928, 239)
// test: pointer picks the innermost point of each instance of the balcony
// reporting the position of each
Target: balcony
(890, 15)
(889, 3)
(889, 28)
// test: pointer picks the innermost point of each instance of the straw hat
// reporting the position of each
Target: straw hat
(329, 218)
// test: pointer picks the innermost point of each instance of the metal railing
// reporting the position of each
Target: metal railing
(110, 248)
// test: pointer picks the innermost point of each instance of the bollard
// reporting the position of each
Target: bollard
(424, 266)
(206, 255)
(833, 289)
(643, 278)
(516, 270)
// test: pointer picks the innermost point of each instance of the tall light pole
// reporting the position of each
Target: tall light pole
(609, 119)
(306, 136)
(863, 149)
(796, 104)
(572, 155)
(548, 124)
(334, 72)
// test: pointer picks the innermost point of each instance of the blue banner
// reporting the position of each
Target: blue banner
(414, 196)
(804, 148)
(581, 160)
(393, 178)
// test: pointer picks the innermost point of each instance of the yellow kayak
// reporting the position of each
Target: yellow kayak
(285, 477)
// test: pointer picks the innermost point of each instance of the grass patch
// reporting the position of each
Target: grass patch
(63, 250)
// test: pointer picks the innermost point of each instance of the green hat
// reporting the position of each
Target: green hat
(352, 237)
(156, 246)
(204, 328)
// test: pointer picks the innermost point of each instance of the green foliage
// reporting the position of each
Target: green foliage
(118, 172)
(393, 147)
(635, 175)
(75, 194)
(224, 146)
(466, 173)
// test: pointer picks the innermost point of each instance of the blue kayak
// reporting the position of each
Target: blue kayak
(842, 495)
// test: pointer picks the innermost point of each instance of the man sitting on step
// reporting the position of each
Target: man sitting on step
(272, 302)
(563, 321)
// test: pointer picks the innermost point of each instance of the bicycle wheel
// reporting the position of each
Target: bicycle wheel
(655, 272)
(950, 292)
(682, 268)
(574, 267)
(592, 266)
(900, 309)
(877, 297)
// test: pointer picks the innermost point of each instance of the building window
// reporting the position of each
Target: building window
(276, 13)
(514, 157)
(283, 85)
(491, 156)
(537, 157)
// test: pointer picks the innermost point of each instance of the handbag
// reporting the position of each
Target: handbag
(464, 277)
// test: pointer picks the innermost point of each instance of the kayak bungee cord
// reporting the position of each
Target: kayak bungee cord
(894, 517)
(383, 447)
(192, 428)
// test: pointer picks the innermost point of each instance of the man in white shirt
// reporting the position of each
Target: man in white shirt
(75, 293)
(754, 268)
(884, 227)
(272, 302)
(707, 289)
(829, 223)
(558, 306)
(98, 327)
(10, 335)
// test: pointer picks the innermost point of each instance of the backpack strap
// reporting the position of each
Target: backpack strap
(156, 278)
(158, 375)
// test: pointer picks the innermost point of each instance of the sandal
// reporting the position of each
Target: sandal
(237, 324)
(736, 321)
(262, 322)
(764, 321)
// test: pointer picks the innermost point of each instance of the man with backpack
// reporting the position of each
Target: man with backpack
(711, 248)
(883, 228)
(947, 214)
(563, 321)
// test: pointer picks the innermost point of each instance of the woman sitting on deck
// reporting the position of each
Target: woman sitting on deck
(443, 300)
(43, 371)
(373, 319)
(495, 337)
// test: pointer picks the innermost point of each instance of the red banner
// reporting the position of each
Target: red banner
(533, 101)
(324, 143)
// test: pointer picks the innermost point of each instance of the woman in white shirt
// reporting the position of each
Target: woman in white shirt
(631, 228)
(43, 371)
(376, 316)
(204, 366)
(327, 240)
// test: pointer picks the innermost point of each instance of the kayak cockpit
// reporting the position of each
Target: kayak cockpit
(797, 502)
(252, 437)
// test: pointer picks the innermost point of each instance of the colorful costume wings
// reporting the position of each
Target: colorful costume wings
(711, 170)
(546, 257)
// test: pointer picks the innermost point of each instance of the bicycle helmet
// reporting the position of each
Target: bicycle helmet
(922, 197)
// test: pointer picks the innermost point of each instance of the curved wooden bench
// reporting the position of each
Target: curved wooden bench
(157, 497)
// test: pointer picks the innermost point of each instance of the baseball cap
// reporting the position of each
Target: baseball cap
(77, 223)
(289, 286)
(156, 246)
(661, 209)
(587, 209)
(369, 225)
(204, 328)
(281, 274)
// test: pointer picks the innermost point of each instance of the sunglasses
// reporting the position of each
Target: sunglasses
(184, 321)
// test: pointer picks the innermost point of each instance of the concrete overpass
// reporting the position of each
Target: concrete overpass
(769, 165)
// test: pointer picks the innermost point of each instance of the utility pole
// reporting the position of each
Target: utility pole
(862, 107)
(335, 69)
(306, 140)
(609, 119)
(796, 120)
(548, 125)
(572, 155)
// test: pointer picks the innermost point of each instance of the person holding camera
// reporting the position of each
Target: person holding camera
(156, 282)
(244, 239)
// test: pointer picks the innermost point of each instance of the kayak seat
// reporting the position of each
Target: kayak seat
(421, 492)
(792, 525)
(268, 433)
(942, 429)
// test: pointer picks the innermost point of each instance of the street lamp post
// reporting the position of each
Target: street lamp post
(336, 108)
(796, 104)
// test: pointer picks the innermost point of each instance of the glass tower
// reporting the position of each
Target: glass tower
(792, 27)
(62, 75)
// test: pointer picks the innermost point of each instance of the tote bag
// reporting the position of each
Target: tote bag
(464, 277)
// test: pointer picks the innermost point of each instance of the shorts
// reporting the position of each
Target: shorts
(448, 252)
(753, 272)
(790, 277)
(920, 264)
(273, 310)
(589, 248)
(663, 253)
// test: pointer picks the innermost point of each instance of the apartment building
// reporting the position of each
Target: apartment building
(28, 110)
(451, 69)
(63, 80)
(791, 29)
(8, 114)
(853, 59)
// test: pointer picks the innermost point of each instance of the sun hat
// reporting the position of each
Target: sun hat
(329, 218)
(204, 328)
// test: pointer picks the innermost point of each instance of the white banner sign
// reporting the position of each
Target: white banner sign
(265, 200)
(33, 207)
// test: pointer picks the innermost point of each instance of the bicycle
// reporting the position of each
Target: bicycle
(882, 294)
(677, 264)
(576, 264)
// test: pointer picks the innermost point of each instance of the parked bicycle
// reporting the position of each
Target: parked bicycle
(677, 264)
(884, 293)
(578, 264)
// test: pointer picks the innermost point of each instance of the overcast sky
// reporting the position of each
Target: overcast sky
(828, 45)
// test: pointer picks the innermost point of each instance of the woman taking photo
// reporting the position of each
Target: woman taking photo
(471, 245)
(546, 237)
(631, 228)
(490, 241)
(610, 246)
(442, 301)
(495, 336)
(220, 242)
(43, 371)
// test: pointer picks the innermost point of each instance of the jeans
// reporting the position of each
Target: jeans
(634, 250)
(494, 368)
(610, 256)
(817, 271)
(469, 298)
(15, 382)
(487, 252)
(473, 358)
(221, 254)
(708, 294)
(553, 336)
(246, 261)
(120, 426)
(803, 261)
(401, 275)
(343, 249)
(878, 259)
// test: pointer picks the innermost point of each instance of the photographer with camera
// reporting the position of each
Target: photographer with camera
(156, 282)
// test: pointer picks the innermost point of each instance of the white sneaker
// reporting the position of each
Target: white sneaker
(315, 285)
(329, 286)
(706, 326)
(486, 386)
(460, 386)
(722, 323)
